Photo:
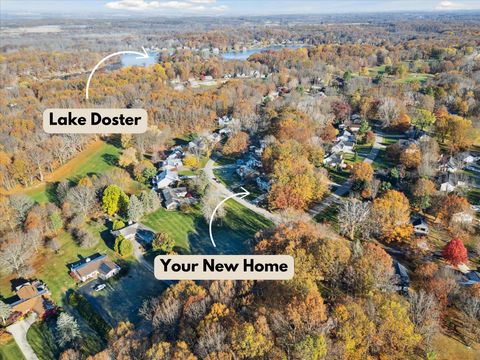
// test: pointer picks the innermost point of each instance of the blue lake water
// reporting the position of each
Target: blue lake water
(131, 60)
(243, 55)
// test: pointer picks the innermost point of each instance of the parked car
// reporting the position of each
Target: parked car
(99, 287)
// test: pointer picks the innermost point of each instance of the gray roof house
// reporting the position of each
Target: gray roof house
(99, 267)
(173, 197)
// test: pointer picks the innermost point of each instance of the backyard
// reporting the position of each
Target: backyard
(190, 230)
(52, 267)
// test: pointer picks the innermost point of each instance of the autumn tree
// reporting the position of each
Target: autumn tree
(67, 329)
(449, 205)
(163, 242)
(362, 171)
(422, 191)
(455, 252)
(410, 157)
(423, 119)
(128, 157)
(296, 183)
(390, 211)
(249, 343)
(236, 144)
(114, 199)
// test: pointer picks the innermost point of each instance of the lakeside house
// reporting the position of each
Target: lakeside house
(99, 267)
(34, 297)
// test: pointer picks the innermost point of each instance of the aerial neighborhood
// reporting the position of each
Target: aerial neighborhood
(348, 142)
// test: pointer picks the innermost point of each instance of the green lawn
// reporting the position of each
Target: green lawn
(190, 231)
(52, 268)
(413, 77)
(42, 341)
(10, 351)
(89, 163)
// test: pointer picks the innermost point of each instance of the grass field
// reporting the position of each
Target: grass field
(10, 351)
(190, 231)
(448, 348)
(96, 159)
(52, 268)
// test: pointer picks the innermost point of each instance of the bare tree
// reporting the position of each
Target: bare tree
(353, 218)
(430, 154)
(13, 256)
(425, 315)
(388, 111)
(21, 204)
(209, 202)
(82, 199)
(5, 311)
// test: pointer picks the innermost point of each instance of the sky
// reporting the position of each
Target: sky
(230, 7)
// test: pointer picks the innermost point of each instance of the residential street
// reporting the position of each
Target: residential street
(227, 192)
(19, 332)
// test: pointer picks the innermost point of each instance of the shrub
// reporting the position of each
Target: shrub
(94, 320)
(118, 224)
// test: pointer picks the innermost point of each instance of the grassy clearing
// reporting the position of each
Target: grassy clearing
(52, 267)
(190, 231)
(448, 348)
(96, 159)
(10, 351)
(413, 77)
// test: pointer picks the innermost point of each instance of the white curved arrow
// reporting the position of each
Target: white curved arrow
(239, 195)
(143, 55)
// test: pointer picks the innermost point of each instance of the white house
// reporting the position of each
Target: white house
(334, 160)
(99, 267)
(463, 217)
(420, 227)
(450, 185)
(343, 147)
(165, 178)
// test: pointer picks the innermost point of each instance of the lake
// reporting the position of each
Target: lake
(243, 55)
(131, 60)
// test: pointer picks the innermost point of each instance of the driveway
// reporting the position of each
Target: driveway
(19, 332)
(223, 190)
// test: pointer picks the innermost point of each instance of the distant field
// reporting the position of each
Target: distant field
(10, 351)
(99, 157)
(190, 231)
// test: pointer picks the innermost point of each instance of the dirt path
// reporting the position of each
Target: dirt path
(61, 173)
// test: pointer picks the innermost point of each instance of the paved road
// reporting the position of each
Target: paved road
(19, 332)
(223, 190)
(343, 189)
